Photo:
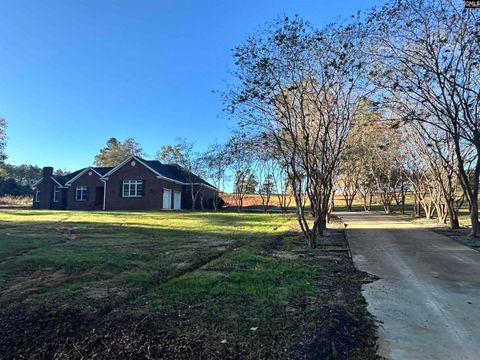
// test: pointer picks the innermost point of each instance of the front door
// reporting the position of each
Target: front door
(99, 196)
(167, 198)
(177, 200)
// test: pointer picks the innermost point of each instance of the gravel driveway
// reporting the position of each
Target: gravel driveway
(427, 301)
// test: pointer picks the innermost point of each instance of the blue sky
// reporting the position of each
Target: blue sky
(75, 73)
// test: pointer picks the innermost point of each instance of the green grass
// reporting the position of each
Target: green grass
(138, 249)
(210, 277)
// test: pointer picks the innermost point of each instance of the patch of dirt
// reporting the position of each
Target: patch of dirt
(77, 334)
(287, 255)
(66, 229)
(37, 281)
(344, 336)
(101, 291)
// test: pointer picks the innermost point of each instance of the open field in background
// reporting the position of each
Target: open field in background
(175, 284)
(254, 201)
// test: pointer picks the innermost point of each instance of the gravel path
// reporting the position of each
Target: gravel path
(427, 301)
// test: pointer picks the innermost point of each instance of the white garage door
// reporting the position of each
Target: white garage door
(167, 198)
(177, 200)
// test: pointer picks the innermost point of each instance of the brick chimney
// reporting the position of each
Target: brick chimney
(47, 172)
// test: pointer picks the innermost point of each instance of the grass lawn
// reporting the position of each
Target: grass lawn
(174, 285)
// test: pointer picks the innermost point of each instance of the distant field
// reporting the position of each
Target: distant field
(255, 200)
(126, 285)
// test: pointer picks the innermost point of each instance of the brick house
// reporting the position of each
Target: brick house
(135, 184)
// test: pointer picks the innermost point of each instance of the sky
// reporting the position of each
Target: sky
(76, 73)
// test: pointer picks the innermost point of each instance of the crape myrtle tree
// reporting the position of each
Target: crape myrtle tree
(355, 175)
(418, 170)
(217, 161)
(436, 149)
(241, 151)
(189, 161)
(372, 163)
(427, 63)
(281, 185)
(301, 88)
(266, 164)
(384, 166)
(349, 180)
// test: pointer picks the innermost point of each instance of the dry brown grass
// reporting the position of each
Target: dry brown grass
(10, 200)
(256, 200)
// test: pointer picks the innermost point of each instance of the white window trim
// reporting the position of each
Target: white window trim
(83, 191)
(129, 183)
(37, 196)
(56, 191)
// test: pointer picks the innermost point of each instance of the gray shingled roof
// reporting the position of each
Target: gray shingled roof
(102, 170)
(173, 172)
(63, 179)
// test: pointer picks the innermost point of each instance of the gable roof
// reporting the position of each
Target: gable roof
(100, 171)
(168, 172)
(65, 180)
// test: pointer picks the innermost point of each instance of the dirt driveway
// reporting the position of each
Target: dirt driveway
(428, 298)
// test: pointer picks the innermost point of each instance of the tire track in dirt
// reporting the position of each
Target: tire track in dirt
(64, 227)
(42, 278)
(61, 225)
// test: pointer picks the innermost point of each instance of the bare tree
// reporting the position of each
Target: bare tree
(419, 175)
(282, 185)
(189, 162)
(426, 56)
(301, 87)
(240, 149)
(217, 160)
(349, 181)
(438, 149)
(265, 183)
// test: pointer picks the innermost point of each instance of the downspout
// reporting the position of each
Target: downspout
(104, 194)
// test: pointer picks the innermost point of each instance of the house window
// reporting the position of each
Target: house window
(132, 188)
(37, 196)
(81, 193)
(56, 193)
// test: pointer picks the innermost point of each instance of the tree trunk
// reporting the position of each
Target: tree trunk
(418, 208)
(386, 207)
(452, 216)
(474, 220)
(349, 205)
(403, 198)
(333, 201)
